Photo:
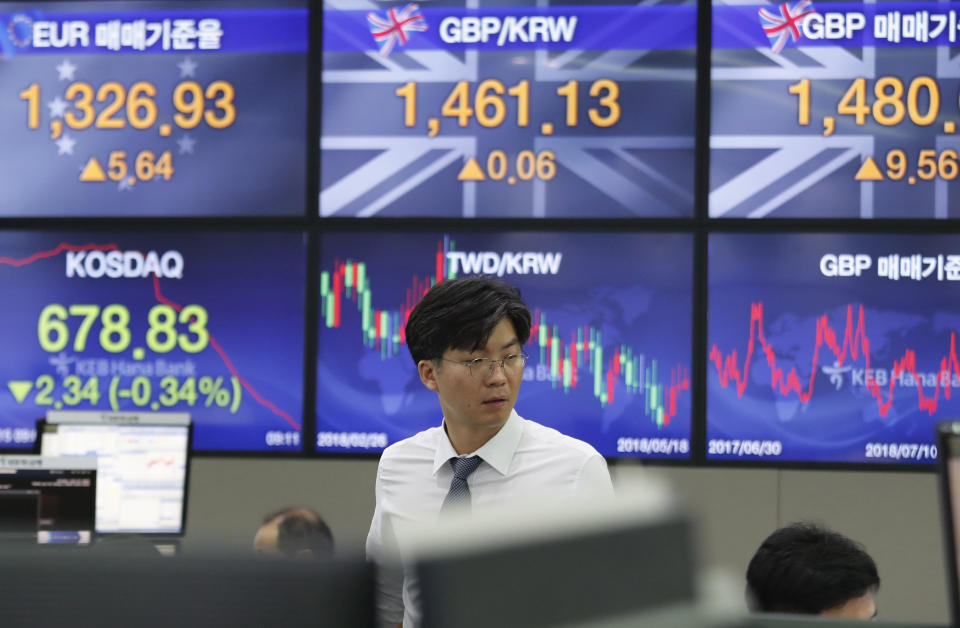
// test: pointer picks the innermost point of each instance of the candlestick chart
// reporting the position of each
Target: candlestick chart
(609, 344)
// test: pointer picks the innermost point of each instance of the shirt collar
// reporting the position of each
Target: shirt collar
(497, 452)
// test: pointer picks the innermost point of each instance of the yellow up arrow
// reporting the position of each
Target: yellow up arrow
(868, 171)
(93, 171)
(471, 171)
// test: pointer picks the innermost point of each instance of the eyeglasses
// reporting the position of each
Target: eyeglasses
(482, 368)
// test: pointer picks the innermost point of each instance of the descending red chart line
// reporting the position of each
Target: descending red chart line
(854, 345)
(64, 247)
(229, 364)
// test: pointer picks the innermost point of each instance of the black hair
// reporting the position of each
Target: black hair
(806, 568)
(461, 314)
(301, 529)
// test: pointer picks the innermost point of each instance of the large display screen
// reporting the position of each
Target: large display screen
(609, 350)
(834, 109)
(528, 108)
(831, 348)
(205, 323)
(153, 108)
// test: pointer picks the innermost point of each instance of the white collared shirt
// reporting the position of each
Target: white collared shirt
(523, 459)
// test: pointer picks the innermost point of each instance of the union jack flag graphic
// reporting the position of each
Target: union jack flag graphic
(787, 24)
(396, 27)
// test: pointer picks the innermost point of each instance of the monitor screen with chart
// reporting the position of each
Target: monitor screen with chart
(609, 349)
(831, 347)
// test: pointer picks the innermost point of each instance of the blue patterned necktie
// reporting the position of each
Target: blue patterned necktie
(459, 493)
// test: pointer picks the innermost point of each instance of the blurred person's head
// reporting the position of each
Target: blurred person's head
(294, 533)
(805, 568)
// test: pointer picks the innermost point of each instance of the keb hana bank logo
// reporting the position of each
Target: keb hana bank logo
(786, 23)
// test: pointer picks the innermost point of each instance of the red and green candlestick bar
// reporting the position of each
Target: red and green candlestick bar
(381, 329)
(586, 347)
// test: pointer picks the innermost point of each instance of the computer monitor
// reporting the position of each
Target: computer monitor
(143, 465)
(117, 591)
(948, 444)
(548, 563)
(586, 578)
(710, 616)
(775, 620)
(47, 500)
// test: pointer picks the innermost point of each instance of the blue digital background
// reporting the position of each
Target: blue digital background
(251, 284)
(636, 288)
(640, 166)
(764, 164)
(254, 167)
(783, 272)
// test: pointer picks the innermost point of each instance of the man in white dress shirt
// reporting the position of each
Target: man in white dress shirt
(466, 337)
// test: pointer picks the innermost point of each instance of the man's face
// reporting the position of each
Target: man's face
(473, 403)
(863, 607)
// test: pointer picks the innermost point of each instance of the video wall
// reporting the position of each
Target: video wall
(731, 222)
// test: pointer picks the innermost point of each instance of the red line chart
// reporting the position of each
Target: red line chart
(853, 344)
